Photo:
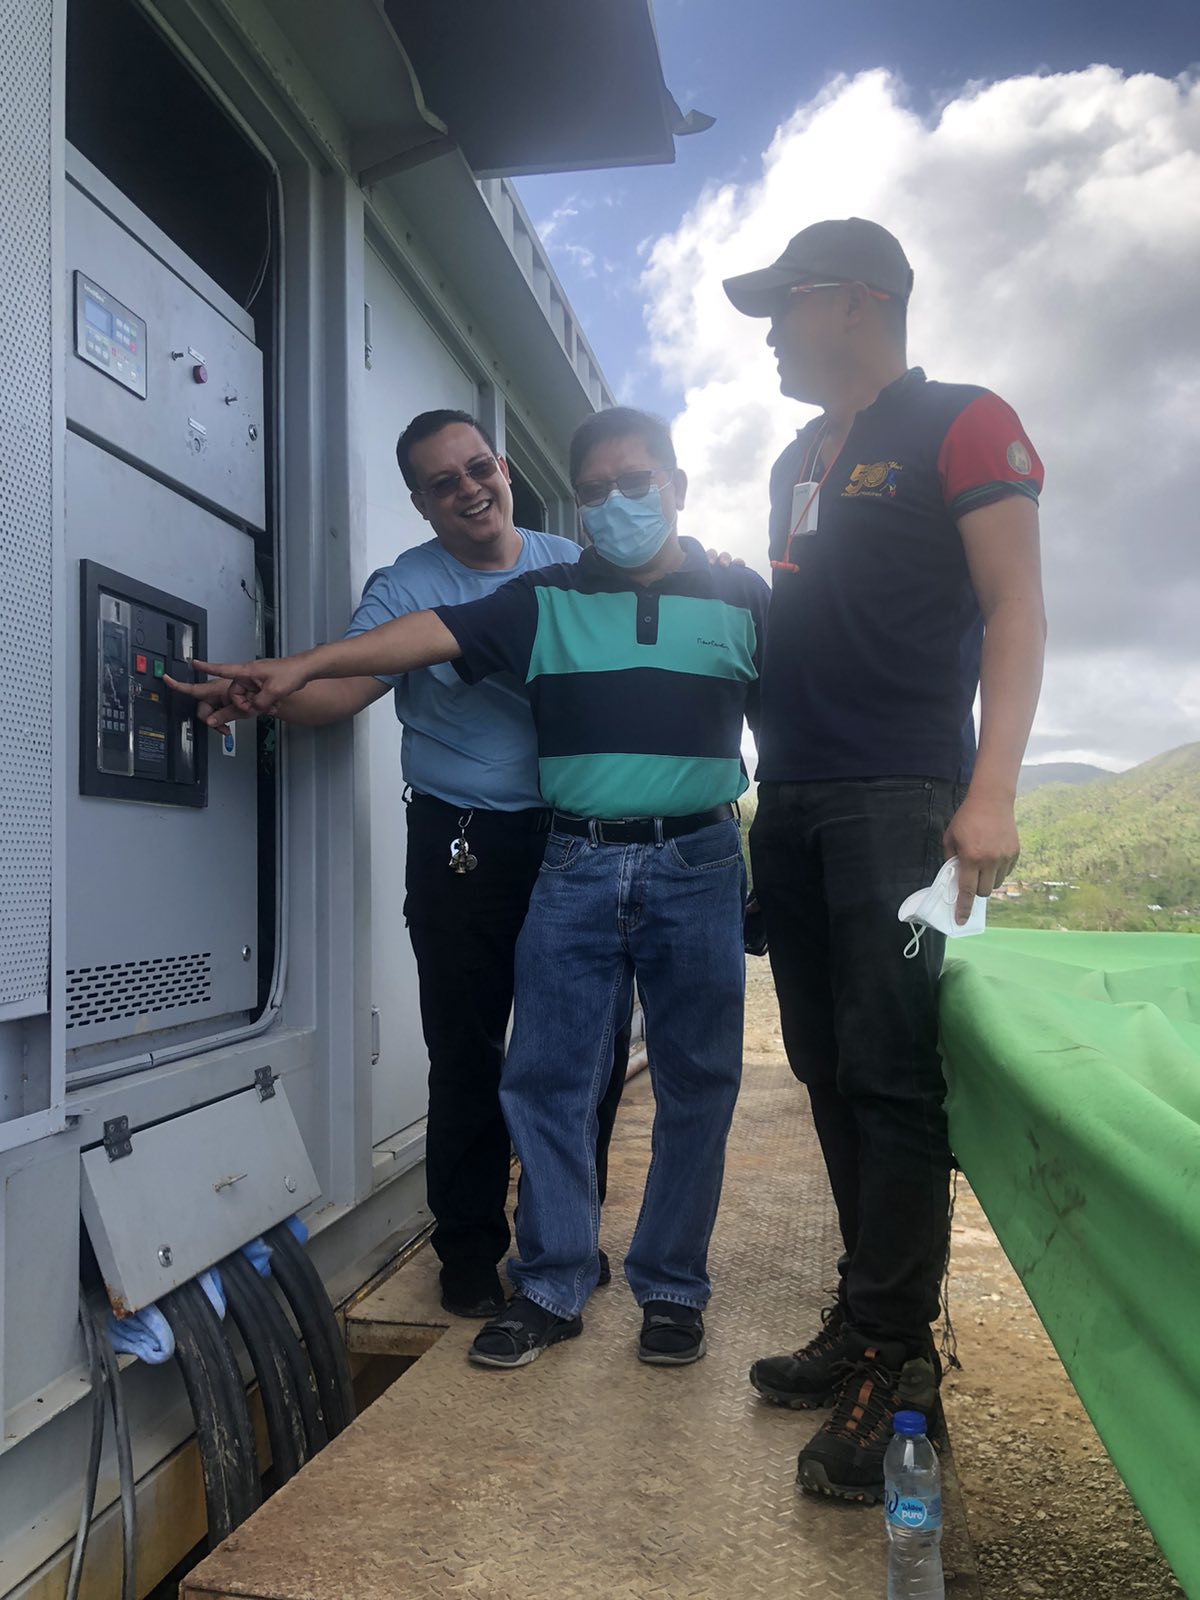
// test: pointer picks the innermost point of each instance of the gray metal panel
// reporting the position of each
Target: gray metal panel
(192, 1191)
(411, 371)
(206, 437)
(161, 899)
(26, 503)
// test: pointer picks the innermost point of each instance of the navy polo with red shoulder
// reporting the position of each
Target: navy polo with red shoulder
(874, 637)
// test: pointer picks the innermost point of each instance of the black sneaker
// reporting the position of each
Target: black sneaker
(808, 1378)
(519, 1336)
(672, 1335)
(472, 1294)
(605, 1270)
(845, 1455)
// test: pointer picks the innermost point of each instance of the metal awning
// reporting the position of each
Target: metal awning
(529, 86)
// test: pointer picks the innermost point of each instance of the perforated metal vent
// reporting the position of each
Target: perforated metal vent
(137, 988)
(26, 501)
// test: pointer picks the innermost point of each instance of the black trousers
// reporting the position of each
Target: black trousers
(464, 931)
(832, 862)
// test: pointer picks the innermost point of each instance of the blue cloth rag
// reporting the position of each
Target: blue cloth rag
(298, 1228)
(210, 1282)
(258, 1254)
(146, 1335)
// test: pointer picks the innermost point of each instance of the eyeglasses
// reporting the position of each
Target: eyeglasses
(786, 302)
(446, 483)
(633, 485)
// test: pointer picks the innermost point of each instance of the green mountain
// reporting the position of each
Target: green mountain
(1110, 850)
(1035, 775)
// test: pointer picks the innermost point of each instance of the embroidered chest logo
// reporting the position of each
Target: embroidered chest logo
(875, 480)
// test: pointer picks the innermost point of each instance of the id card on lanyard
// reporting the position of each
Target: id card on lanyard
(806, 506)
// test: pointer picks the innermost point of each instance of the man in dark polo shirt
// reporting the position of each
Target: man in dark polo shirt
(641, 661)
(905, 568)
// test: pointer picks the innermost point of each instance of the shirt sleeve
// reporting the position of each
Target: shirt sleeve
(495, 634)
(759, 600)
(986, 456)
(383, 600)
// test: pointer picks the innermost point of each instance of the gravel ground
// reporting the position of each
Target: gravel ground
(1048, 1514)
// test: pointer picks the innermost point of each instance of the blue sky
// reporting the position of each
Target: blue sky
(750, 63)
(1040, 163)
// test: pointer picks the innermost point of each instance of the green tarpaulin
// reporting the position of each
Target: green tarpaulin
(1074, 1068)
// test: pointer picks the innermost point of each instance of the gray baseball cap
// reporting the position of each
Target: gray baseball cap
(846, 251)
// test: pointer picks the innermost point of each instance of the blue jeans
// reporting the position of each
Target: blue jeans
(601, 915)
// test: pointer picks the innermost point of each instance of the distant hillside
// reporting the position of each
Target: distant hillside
(1111, 849)
(1034, 775)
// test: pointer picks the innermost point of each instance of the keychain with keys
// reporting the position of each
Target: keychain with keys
(461, 859)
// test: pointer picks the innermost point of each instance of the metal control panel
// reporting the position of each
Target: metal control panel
(174, 338)
(138, 739)
(109, 335)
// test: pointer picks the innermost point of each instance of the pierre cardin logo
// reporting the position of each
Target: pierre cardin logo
(874, 480)
(713, 644)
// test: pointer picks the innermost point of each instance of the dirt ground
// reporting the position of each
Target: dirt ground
(1048, 1514)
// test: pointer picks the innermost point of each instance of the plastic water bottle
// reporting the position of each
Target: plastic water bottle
(913, 1511)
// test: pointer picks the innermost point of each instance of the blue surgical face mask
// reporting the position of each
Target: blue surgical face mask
(629, 533)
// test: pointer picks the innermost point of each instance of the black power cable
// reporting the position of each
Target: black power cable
(190, 1352)
(91, 1477)
(233, 1411)
(281, 1403)
(116, 1396)
(303, 1378)
(305, 1293)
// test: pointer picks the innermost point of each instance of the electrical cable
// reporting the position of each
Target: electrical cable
(233, 1410)
(305, 1293)
(260, 275)
(281, 1404)
(116, 1396)
(190, 1353)
(303, 1378)
(92, 1476)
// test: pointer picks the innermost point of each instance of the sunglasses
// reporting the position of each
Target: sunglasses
(786, 302)
(633, 485)
(446, 483)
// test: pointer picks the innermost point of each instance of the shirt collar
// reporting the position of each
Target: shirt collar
(603, 574)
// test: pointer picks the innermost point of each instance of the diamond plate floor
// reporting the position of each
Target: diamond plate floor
(588, 1474)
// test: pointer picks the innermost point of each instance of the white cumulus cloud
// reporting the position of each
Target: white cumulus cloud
(1053, 223)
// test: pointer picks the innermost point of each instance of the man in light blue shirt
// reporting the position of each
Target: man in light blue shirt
(469, 757)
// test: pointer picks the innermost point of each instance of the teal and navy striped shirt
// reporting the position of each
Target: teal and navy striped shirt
(638, 692)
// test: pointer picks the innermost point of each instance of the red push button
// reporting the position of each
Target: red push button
(200, 372)
(139, 663)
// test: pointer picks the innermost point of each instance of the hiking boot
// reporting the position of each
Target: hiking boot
(672, 1335)
(845, 1455)
(472, 1294)
(605, 1270)
(808, 1378)
(520, 1334)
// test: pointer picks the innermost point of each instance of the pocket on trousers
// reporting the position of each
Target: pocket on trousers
(563, 850)
(707, 848)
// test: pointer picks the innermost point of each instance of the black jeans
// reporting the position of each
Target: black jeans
(464, 931)
(832, 862)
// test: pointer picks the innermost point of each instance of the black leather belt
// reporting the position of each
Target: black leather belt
(638, 830)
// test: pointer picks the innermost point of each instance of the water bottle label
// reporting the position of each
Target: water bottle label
(906, 1511)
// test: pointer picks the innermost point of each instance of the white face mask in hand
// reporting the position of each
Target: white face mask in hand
(934, 908)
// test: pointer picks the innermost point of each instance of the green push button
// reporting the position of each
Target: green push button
(159, 667)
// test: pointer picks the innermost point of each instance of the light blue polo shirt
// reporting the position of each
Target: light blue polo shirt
(472, 745)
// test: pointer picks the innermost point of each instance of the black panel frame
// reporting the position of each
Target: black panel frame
(95, 580)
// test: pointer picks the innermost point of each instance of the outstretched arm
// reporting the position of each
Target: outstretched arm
(420, 639)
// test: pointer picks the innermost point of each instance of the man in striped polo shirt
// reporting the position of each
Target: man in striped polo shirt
(641, 662)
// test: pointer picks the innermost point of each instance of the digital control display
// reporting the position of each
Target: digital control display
(109, 336)
(137, 738)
